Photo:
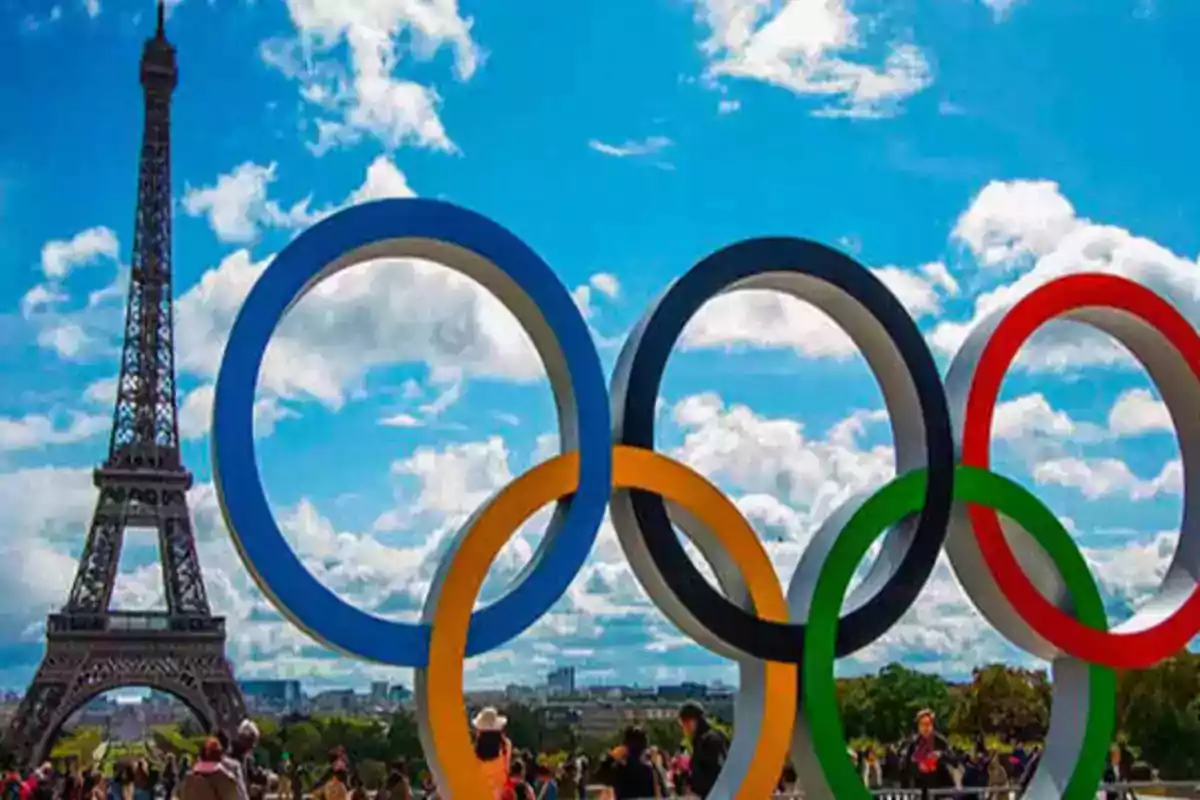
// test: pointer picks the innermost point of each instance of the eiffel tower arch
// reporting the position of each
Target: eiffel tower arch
(90, 648)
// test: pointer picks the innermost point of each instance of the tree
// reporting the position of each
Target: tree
(303, 741)
(403, 737)
(1158, 710)
(1007, 701)
(665, 735)
(524, 727)
(854, 703)
(897, 694)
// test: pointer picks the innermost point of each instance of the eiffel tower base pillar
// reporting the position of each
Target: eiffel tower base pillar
(89, 655)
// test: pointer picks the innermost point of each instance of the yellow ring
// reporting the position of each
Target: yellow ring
(440, 684)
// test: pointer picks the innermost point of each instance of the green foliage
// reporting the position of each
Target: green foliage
(170, 739)
(79, 744)
(1011, 702)
(883, 706)
(524, 727)
(1158, 710)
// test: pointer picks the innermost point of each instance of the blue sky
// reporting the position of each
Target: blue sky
(967, 149)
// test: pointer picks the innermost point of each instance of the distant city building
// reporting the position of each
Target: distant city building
(561, 681)
(683, 691)
(519, 693)
(272, 695)
(399, 694)
(344, 700)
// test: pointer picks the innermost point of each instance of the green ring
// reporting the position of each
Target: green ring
(898, 499)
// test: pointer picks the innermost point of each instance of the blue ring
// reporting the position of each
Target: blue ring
(265, 552)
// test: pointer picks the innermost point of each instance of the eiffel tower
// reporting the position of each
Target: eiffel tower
(91, 649)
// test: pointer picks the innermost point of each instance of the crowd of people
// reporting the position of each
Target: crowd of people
(227, 769)
(927, 761)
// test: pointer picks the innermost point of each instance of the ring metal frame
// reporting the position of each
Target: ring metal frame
(1083, 701)
(478, 248)
(1011, 586)
(785, 649)
(767, 691)
(898, 356)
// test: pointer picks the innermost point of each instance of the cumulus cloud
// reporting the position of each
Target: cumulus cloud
(364, 97)
(1028, 232)
(770, 319)
(808, 47)
(73, 333)
(385, 312)
(1107, 477)
(1138, 412)
(604, 284)
(238, 207)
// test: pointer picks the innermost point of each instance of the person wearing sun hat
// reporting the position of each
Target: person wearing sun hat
(492, 747)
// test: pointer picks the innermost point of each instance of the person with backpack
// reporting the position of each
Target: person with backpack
(709, 748)
(628, 771)
(516, 788)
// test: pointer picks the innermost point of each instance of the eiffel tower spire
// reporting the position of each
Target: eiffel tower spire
(91, 648)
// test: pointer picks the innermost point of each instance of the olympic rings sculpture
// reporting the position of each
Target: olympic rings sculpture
(1013, 557)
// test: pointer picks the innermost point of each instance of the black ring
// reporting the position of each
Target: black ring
(635, 390)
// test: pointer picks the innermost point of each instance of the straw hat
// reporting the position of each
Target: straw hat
(489, 720)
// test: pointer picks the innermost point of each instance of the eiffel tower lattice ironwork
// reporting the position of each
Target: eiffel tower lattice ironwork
(91, 649)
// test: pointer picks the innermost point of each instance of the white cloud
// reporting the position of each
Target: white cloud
(401, 420)
(238, 207)
(603, 283)
(1138, 412)
(79, 333)
(1107, 477)
(1133, 571)
(775, 456)
(606, 284)
(60, 257)
(632, 147)
(41, 297)
(920, 292)
(364, 98)
(1001, 8)
(102, 392)
(769, 319)
(1032, 415)
(385, 312)
(67, 339)
(195, 413)
(383, 180)
(36, 431)
(1009, 220)
(804, 46)
(458, 479)
(1028, 233)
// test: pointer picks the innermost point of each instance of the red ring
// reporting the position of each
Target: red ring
(1131, 650)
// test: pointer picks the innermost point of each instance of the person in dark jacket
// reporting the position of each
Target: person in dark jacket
(925, 762)
(629, 770)
(709, 748)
